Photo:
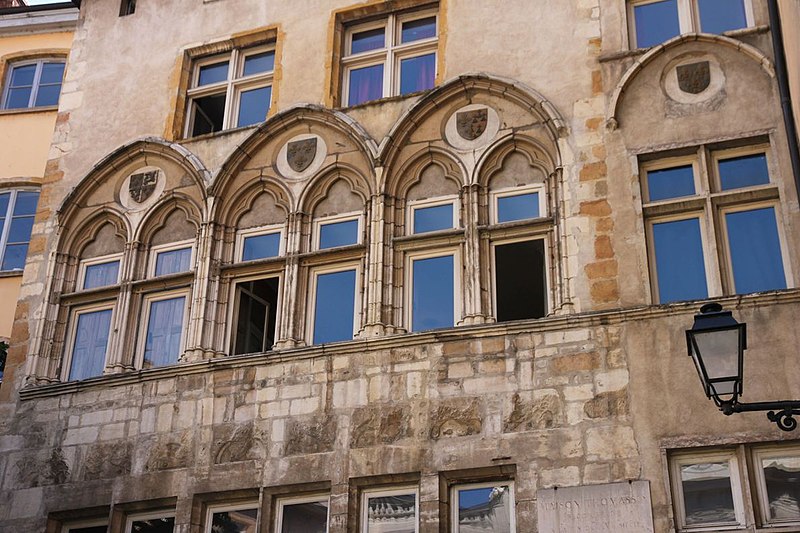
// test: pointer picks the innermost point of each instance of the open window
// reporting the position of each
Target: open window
(520, 279)
(255, 315)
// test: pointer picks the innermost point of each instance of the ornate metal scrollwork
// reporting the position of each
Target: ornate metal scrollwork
(784, 418)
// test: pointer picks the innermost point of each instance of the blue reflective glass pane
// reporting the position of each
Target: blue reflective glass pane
(4, 199)
(365, 84)
(338, 234)
(23, 76)
(743, 171)
(717, 16)
(258, 63)
(365, 41)
(670, 183)
(25, 204)
(52, 73)
(656, 22)
(416, 30)
(680, 265)
(20, 230)
(417, 73)
(755, 250)
(14, 257)
(47, 95)
(18, 98)
(89, 346)
(334, 307)
(101, 275)
(173, 261)
(213, 73)
(433, 218)
(253, 106)
(517, 207)
(261, 246)
(433, 293)
(485, 509)
(164, 329)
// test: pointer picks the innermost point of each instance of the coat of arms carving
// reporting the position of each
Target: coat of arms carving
(694, 78)
(142, 185)
(300, 154)
(471, 124)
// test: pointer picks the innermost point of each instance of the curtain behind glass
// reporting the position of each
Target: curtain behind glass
(164, 328)
(91, 340)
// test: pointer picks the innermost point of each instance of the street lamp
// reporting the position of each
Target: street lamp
(717, 343)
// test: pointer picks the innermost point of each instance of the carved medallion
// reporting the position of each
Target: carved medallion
(471, 124)
(300, 154)
(694, 78)
(142, 185)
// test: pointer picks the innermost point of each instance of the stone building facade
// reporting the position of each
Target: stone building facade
(448, 274)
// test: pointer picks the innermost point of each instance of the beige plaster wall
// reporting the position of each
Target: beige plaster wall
(790, 20)
(9, 292)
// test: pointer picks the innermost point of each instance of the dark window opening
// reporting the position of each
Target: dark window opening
(520, 280)
(256, 304)
(209, 114)
(127, 7)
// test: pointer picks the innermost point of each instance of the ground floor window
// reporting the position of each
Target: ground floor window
(307, 515)
(390, 510)
(485, 507)
(241, 518)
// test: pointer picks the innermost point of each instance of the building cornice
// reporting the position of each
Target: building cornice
(59, 17)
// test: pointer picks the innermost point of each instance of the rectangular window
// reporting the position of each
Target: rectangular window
(433, 285)
(671, 182)
(91, 330)
(755, 250)
(340, 230)
(256, 310)
(306, 515)
(679, 260)
(520, 280)
(172, 258)
(392, 56)
(127, 7)
(719, 16)
(259, 244)
(150, 523)
(390, 510)
(517, 204)
(230, 90)
(233, 519)
(433, 215)
(654, 21)
(93, 526)
(17, 213)
(777, 472)
(100, 272)
(33, 84)
(334, 294)
(708, 491)
(164, 319)
(484, 507)
(743, 171)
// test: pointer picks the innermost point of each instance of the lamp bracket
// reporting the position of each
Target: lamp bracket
(781, 412)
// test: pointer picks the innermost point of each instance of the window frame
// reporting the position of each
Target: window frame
(36, 84)
(147, 301)
(392, 52)
(73, 526)
(242, 235)
(736, 477)
(231, 87)
(764, 452)
(169, 247)
(366, 494)
(543, 236)
(8, 217)
(408, 290)
(233, 311)
(223, 507)
(688, 19)
(506, 192)
(314, 274)
(281, 502)
(72, 332)
(86, 263)
(413, 205)
(481, 485)
(131, 518)
(667, 163)
(335, 219)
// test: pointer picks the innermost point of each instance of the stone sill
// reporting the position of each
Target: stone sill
(11, 273)
(28, 110)
(406, 340)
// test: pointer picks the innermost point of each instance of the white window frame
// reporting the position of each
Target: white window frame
(221, 508)
(495, 195)
(130, 519)
(544, 237)
(241, 235)
(37, 77)
(378, 493)
(85, 263)
(437, 201)
(169, 247)
(700, 188)
(232, 87)
(729, 456)
(334, 219)
(312, 299)
(766, 452)
(283, 502)
(9, 214)
(147, 302)
(73, 526)
(391, 54)
(455, 252)
(688, 17)
(454, 497)
(233, 312)
(73, 330)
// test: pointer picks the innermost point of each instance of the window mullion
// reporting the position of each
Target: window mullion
(686, 16)
(36, 80)
(12, 200)
(233, 70)
(389, 75)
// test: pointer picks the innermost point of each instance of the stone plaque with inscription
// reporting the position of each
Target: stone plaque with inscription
(611, 508)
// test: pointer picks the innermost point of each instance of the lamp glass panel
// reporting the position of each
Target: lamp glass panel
(719, 351)
(707, 493)
(782, 480)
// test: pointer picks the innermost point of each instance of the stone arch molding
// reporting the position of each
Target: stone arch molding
(612, 121)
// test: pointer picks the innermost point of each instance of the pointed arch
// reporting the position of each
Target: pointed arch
(235, 206)
(538, 155)
(156, 217)
(317, 189)
(400, 182)
(74, 241)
